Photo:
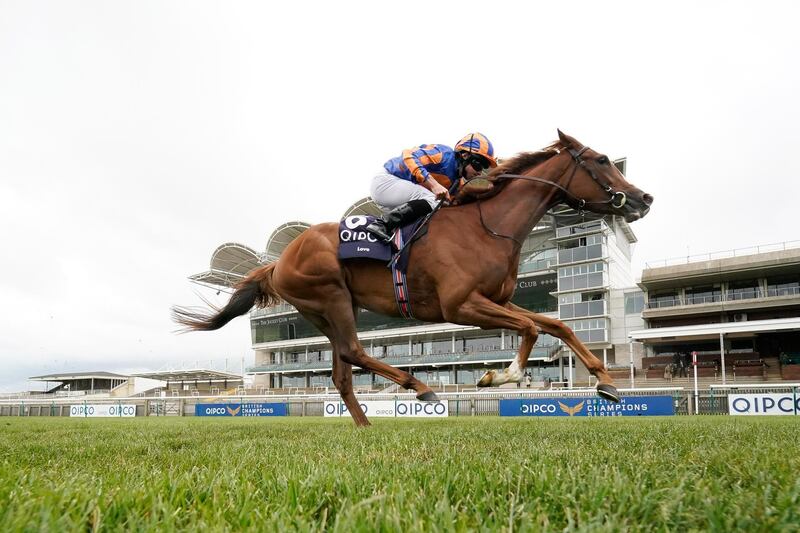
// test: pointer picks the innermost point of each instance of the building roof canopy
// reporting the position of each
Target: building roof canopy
(195, 374)
(711, 331)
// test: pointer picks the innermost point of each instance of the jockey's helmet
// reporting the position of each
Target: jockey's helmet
(477, 144)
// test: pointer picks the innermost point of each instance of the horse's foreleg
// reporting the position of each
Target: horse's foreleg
(557, 328)
(482, 312)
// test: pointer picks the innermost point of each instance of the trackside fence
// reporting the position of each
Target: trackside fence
(481, 403)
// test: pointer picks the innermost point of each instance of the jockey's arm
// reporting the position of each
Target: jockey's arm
(436, 188)
(411, 158)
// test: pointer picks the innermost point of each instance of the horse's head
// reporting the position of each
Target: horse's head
(597, 185)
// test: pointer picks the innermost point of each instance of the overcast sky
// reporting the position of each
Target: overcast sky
(136, 137)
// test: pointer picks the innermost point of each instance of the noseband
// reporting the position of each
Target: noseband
(617, 199)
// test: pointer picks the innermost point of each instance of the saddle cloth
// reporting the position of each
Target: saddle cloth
(356, 242)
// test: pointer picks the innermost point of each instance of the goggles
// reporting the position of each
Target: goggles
(478, 163)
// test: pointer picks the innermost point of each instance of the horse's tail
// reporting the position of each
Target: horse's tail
(255, 289)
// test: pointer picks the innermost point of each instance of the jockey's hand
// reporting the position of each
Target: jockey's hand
(440, 192)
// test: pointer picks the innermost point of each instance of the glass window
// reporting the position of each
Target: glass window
(592, 330)
(634, 302)
(397, 350)
(783, 286)
(484, 344)
(537, 260)
(703, 295)
(742, 290)
(533, 293)
(664, 299)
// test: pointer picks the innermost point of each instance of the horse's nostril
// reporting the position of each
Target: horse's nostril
(647, 199)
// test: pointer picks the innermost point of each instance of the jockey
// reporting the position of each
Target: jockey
(410, 185)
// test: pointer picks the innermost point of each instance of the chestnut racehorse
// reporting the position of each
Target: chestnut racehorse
(462, 271)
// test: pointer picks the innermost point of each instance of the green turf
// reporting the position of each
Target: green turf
(458, 474)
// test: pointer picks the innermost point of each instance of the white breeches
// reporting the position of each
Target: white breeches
(390, 191)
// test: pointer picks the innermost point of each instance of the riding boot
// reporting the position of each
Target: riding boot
(384, 226)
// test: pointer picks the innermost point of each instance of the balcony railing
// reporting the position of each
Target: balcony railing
(739, 252)
(538, 352)
(728, 296)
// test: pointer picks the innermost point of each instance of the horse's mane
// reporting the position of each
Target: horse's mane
(516, 165)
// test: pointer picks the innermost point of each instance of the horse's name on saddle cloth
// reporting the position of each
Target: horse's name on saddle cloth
(356, 241)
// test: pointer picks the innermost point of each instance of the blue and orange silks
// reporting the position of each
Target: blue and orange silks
(427, 161)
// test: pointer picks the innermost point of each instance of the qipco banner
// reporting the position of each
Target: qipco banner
(764, 404)
(392, 409)
(240, 409)
(102, 410)
(630, 406)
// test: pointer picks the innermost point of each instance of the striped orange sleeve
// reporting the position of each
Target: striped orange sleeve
(414, 165)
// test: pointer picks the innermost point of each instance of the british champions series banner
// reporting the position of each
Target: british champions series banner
(240, 409)
(628, 406)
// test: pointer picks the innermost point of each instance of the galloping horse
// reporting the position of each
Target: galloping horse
(463, 270)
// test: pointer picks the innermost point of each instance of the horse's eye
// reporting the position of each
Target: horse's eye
(603, 160)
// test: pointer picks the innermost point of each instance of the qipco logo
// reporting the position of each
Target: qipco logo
(421, 409)
(340, 409)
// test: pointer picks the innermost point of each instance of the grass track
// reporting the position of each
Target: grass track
(458, 474)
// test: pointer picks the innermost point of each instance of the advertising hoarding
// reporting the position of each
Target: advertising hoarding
(391, 409)
(628, 406)
(764, 404)
(102, 410)
(240, 409)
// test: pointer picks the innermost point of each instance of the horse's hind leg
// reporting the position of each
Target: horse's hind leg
(341, 318)
(342, 375)
(557, 328)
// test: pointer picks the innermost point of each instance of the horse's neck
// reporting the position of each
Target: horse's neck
(516, 209)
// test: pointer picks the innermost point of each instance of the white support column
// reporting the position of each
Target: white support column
(560, 369)
(605, 357)
(410, 351)
(696, 390)
(453, 342)
(630, 353)
(722, 354)
(502, 339)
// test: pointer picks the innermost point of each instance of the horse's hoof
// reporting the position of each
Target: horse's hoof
(429, 396)
(609, 392)
(486, 379)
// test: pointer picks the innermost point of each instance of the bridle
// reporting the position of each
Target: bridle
(617, 199)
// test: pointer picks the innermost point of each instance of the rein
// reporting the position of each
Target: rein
(617, 199)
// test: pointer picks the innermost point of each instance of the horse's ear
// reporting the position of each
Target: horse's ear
(566, 140)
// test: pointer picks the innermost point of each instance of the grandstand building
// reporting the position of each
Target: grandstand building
(739, 310)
